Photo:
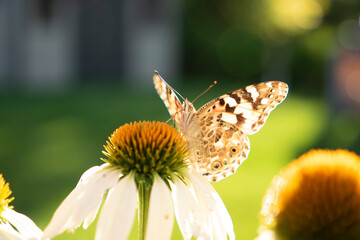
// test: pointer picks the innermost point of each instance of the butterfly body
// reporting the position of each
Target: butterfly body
(216, 134)
(187, 117)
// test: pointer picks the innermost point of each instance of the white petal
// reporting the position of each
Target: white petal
(161, 214)
(88, 173)
(7, 232)
(218, 231)
(266, 235)
(23, 224)
(118, 213)
(190, 216)
(221, 220)
(83, 202)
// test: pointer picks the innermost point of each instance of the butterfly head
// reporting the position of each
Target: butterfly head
(188, 107)
(185, 116)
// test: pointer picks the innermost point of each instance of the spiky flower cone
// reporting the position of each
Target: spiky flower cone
(316, 196)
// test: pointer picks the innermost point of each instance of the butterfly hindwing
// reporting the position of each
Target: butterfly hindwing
(219, 149)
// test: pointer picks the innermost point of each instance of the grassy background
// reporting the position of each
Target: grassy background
(47, 141)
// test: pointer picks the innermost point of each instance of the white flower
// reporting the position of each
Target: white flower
(199, 211)
(14, 225)
(198, 208)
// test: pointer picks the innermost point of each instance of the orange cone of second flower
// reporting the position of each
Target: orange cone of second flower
(316, 196)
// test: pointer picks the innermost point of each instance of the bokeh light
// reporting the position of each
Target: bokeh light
(294, 17)
(349, 35)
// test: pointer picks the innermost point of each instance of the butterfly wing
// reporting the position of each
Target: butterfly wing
(218, 149)
(217, 140)
(168, 96)
(249, 107)
(222, 144)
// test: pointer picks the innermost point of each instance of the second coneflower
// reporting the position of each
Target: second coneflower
(315, 197)
(14, 225)
(146, 163)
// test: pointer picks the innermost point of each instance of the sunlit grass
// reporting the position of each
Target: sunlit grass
(47, 142)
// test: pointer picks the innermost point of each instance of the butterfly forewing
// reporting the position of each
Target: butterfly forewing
(249, 107)
(168, 96)
(217, 133)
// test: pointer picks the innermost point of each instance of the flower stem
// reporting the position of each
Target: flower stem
(144, 184)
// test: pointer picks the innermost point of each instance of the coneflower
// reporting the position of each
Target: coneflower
(146, 168)
(315, 197)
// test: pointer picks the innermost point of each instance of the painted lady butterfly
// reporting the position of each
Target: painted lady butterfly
(216, 134)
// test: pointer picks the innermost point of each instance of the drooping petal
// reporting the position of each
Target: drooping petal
(222, 223)
(83, 202)
(161, 214)
(23, 224)
(220, 218)
(118, 213)
(190, 216)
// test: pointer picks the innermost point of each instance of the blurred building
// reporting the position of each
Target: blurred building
(55, 43)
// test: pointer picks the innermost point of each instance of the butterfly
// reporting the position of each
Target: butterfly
(216, 134)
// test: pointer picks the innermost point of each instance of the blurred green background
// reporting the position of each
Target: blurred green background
(61, 99)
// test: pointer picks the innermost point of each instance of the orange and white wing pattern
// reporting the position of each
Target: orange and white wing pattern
(249, 107)
(218, 149)
(226, 121)
(217, 141)
(168, 96)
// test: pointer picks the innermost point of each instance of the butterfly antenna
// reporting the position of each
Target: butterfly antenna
(168, 120)
(156, 72)
(213, 84)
